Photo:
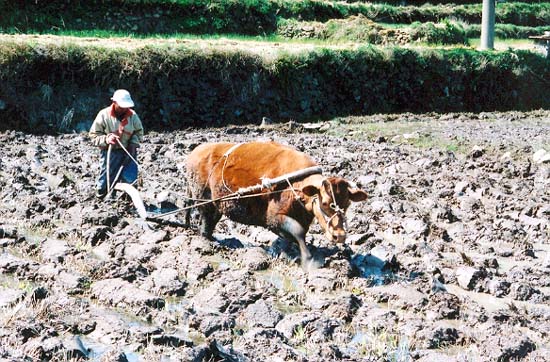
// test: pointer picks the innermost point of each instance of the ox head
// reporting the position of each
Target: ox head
(329, 205)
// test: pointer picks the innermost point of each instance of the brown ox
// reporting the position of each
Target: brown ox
(216, 170)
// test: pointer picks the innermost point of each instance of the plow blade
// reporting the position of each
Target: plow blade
(134, 195)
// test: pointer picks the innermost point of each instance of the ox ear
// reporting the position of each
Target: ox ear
(310, 190)
(357, 195)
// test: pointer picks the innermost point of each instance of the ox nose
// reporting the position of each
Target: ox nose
(338, 236)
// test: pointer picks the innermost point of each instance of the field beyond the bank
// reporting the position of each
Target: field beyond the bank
(196, 63)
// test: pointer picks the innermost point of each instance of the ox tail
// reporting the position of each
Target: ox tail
(187, 206)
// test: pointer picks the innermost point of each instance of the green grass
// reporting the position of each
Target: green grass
(420, 35)
(105, 34)
(335, 21)
(411, 133)
(507, 31)
(505, 44)
(385, 345)
(337, 32)
(252, 17)
(370, 130)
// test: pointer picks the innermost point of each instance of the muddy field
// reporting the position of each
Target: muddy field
(448, 259)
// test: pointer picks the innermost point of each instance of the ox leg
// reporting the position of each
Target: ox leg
(194, 190)
(292, 229)
(188, 204)
(209, 214)
(209, 219)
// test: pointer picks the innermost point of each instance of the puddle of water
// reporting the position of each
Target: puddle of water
(126, 318)
(284, 284)
(279, 281)
(96, 350)
(393, 347)
(131, 356)
(176, 305)
(156, 210)
(219, 263)
(372, 270)
(12, 282)
(492, 303)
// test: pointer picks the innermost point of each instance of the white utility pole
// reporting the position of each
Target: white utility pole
(488, 25)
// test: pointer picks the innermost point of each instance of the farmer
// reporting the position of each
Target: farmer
(117, 131)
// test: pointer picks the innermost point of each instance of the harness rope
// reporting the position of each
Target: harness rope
(108, 169)
(255, 190)
(128, 153)
(228, 197)
(109, 189)
(338, 211)
(226, 157)
(333, 205)
(265, 181)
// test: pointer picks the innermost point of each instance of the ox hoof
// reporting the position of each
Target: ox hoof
(207, 236)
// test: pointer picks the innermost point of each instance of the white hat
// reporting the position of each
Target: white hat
(123, 99)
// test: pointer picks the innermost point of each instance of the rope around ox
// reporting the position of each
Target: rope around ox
(250, 191)
(254, 190)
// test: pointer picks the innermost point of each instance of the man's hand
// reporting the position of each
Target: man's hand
(132, 149)
(111, 139)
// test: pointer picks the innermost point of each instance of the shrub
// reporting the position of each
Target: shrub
(446, 32)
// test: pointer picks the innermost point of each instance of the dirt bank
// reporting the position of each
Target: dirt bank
(447, 260)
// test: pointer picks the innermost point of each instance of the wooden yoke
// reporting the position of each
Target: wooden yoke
(267, 182)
